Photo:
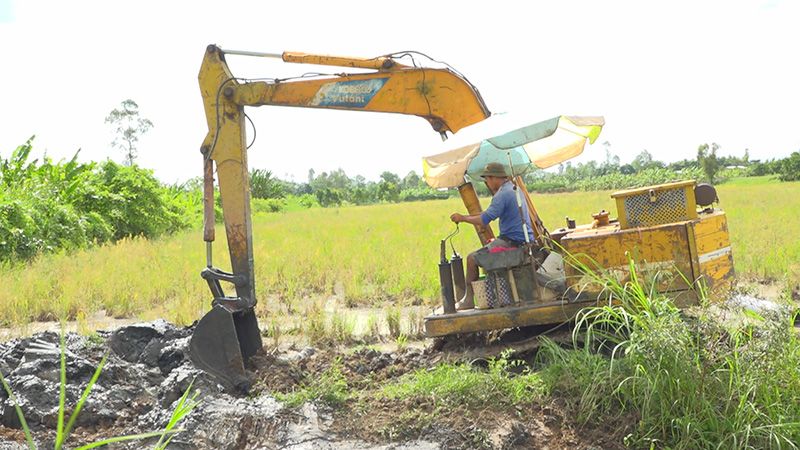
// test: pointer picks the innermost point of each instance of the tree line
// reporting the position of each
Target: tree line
(48, 206)
(336, 187)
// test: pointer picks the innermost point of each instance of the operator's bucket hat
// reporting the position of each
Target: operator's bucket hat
(494, 169)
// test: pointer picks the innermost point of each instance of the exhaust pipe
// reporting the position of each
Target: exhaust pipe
(446, 280)
(457, 265)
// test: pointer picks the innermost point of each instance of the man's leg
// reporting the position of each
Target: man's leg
(468, 302)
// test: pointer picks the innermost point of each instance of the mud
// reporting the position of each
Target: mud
(148, 369)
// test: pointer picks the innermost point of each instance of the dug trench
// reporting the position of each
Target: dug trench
(302, 398)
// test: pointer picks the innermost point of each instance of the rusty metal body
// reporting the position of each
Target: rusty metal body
(229, 334)
(679, 249)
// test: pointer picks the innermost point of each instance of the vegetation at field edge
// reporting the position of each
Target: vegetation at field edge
(720, 377)
(382, 255)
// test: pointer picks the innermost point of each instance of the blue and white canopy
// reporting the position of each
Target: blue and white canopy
(543, 144)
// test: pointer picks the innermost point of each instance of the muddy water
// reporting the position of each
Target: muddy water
(97, 322)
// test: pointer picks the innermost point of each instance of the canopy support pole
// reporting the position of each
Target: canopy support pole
(537, 292)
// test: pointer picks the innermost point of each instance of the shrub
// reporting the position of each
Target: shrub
(264, 185)
(329, 196)
(307, 201)
(47, 206)
(790, 168)
(269, 205)
(422, 193)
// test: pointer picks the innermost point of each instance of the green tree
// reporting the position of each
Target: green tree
(389, 187)
(768, 167)
(708, 160)
(264, 185)
(411, 180)
(644, 160)
(790, 168)
(129, 126)
(327, 196)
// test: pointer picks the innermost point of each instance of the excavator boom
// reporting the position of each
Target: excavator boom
(225, 337)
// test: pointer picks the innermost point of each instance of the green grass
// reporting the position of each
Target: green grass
(465, 384)
(692, 382)
(638, 365)
(381, 254)
(751, 181)
(329, 388)
(761, 215)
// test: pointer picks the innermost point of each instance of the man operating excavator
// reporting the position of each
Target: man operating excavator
(505, 207)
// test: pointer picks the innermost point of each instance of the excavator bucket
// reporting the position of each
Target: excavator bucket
(222, 342)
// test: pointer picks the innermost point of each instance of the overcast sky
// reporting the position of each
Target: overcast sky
(667, 76)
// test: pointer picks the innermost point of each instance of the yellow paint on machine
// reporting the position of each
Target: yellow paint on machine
(692, 250)
(713, 256)
(429, 93)
(522, 314)
(656, 205)
(656, 250)
(525, 314)
(672, 244)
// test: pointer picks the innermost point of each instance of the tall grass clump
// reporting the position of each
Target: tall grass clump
(393, 315)
(330, 388)
(700, 381)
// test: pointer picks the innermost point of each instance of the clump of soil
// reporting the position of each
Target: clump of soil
(288, 370)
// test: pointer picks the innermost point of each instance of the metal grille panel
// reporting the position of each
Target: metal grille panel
(669, 206)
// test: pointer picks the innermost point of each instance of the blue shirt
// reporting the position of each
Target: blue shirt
(504, 207)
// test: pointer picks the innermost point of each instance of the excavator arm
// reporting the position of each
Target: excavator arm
(228, 335)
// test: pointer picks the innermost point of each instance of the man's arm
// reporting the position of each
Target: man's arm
(481, 219)
(474, 219)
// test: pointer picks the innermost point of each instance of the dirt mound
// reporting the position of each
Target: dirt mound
(148, 369)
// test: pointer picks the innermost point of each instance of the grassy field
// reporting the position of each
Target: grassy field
(372, 255)
(761, 212)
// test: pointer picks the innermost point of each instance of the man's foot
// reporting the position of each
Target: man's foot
(465, 303)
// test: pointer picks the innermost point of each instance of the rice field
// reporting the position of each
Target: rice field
(380, 255)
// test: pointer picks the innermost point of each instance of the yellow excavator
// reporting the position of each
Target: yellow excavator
(661, 226)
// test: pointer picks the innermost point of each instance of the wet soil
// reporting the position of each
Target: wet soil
(148, 369)
(378, 420)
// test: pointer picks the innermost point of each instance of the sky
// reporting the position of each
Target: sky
(667, 76)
